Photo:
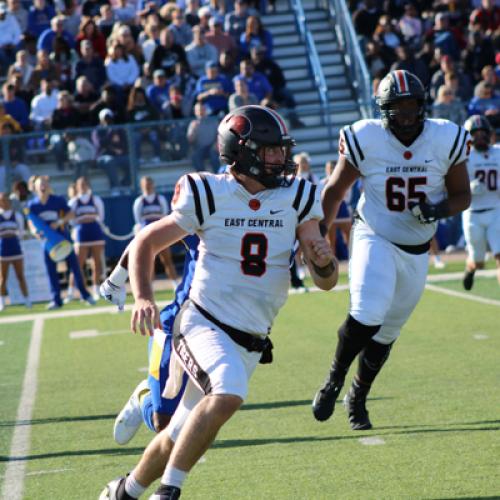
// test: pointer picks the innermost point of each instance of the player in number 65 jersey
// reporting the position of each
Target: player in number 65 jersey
(481, 222)
(414, 173)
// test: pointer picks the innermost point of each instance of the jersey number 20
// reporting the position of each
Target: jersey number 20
(254, 253)
(399, 192)
(488, 177)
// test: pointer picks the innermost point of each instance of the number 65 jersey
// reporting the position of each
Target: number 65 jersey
(242, 272)
(396, 176)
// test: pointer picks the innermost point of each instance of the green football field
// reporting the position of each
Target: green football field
(435, 407)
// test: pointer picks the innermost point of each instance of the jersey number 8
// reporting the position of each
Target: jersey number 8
(399, 194)
(254, 253)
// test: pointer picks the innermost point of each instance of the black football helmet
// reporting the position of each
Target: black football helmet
(394, 87)
(243, 132)
(476, 123)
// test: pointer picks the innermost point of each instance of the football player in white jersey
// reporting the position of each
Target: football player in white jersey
(247, 221)
(414, 173)
(481, 222)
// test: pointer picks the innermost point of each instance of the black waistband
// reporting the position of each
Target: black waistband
(250, 342)
(481, 210)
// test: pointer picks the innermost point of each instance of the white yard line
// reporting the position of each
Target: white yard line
(13, 484)
(489, 273)
(88, 334)
(462, 295)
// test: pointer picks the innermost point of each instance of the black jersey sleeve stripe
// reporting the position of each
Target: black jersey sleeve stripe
(300, 192)
(455, 143)
(210, 196)
(309, 203)
(356, 143)
(461, 150)
(197, 201)
(353, 155)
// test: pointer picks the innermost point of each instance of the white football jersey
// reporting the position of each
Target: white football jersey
(485, 166)
(242, 273)
(395, 176)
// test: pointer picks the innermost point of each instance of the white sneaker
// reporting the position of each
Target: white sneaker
(129, 419)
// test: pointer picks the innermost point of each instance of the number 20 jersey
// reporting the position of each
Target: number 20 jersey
(242, 273)
(395, 176)
(486, 167)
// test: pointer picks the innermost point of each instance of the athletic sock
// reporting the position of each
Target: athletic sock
(118, 276)
(173, 477)
(132, 487)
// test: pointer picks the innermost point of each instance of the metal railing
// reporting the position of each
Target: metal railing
(353, 56)
(314, 64)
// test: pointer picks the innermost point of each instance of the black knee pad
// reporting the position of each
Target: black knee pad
(353, 331)
(375, 354)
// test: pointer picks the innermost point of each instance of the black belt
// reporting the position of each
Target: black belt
(413, 249)
(481, 210)
(250, 342)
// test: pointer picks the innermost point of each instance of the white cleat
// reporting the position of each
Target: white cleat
(129, 419)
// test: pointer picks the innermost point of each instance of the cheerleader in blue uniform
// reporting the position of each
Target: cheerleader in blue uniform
(11, 229)
(88, 236)
(151, 206)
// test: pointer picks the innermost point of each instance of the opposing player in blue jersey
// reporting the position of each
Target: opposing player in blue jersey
(146, 403)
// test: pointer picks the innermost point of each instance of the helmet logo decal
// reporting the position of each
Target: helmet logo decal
(240, 125)
(254, 204)
(401, 82)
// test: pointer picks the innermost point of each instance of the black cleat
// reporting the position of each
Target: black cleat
(115, 490)
(165, 492)
(324, 402)
(468, 280)
(355, 405)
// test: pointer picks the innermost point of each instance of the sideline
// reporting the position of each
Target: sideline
(13, 484)
(462, 295)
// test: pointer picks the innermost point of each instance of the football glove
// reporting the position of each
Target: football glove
(477, 187)
(427, 213)
(113, 293)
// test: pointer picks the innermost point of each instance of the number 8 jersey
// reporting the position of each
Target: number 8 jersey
(395, 176)
(242, 273)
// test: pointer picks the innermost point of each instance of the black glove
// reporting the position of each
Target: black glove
(427, 213)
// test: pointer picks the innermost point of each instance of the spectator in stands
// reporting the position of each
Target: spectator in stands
(10, 36)
(204, 14)
(365, 18)
(213, 90)
(17, 169)
(185, 81)
(303, 162)
(112, 151)
(257, 83)
(443, 36)
(241, 96)
(109, 100)
(5, 118)
(274, 74)
(176, 110)
(202, 135)
(69, 9)
(123, 12)
(81, 154)
(448, 65)
(447, 106)
(123, 34)
(406, 60)
(191, 12)
(39, 17)
(22, 93)
(485, 103)
(235, 22)
(64, 58)
(180, 28)
(14, 106)
(488, 75)
(387, 36)
(16, 9)
(140, 111)
(90, 8)
(157, 92)
(411, 26)
(89, 31)
(478, 54)
(46, 38)
(199, 52)
(43, 105)
(376, 60)
(45, 69)
(122, 69)
(167, 54)
(227, 65)
(21, 66)
(223, 42)
(255, 34)
(150, 38)
(486, 17)
(85, 98)
(90, 66)
(106, 20)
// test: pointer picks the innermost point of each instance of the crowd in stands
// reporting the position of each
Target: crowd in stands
(452, 46)
(67, 64)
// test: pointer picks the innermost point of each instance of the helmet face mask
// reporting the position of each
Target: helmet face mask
(243, 137)
(480, 130)
(401, 99)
